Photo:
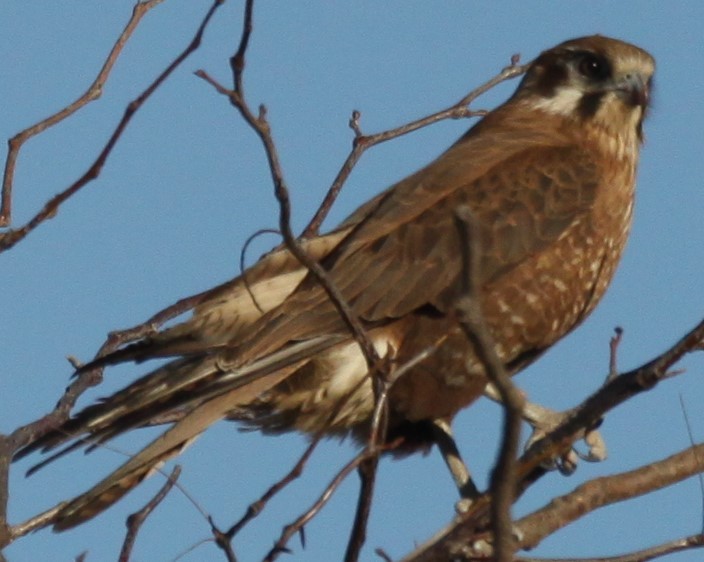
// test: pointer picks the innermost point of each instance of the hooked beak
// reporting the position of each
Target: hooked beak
(633, 89)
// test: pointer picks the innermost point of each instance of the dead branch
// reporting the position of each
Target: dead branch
(261, 127)
(27, 433)
(256, 508)
(678, 545)
(296, 527)
(468, 307)
(613, 353)
(11, 237)
(624, 387)
(540, 524)
(94, 91)
(459, 537)
(135, 521)
(362, 142)
(607, 490)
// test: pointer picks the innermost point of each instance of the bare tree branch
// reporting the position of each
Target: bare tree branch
(94, 91)
(135, 521)
(295, 527)
(608, 490)
(687, 543)
(460, 537)
(27, 433)
(256, 508)
(468, 306)
(489, 518)
(260, 125)
(613, 353)
(11, 237)
(361, 142)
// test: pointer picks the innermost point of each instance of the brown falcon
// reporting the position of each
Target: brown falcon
(549, 177)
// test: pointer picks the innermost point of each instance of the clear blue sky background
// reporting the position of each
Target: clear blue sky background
(188, 183)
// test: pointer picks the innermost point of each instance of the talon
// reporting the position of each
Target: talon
(463, 505)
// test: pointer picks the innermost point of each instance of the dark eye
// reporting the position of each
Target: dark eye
(593, 67)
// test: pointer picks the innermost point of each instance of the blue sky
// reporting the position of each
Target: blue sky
(188, 184)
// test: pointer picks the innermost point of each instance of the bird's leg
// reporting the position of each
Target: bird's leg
(543, 420)
(451, 455)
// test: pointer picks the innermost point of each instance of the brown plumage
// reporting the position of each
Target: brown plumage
(549, 176)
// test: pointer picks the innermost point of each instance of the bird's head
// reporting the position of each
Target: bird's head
(597, 81)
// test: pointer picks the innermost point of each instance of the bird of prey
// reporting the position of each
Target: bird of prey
(549, 178)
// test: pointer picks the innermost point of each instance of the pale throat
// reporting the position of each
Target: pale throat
(613, 129)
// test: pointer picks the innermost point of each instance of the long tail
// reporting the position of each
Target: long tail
(166, 446)
(200, 390)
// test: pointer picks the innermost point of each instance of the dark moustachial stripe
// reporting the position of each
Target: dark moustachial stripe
(589, 105)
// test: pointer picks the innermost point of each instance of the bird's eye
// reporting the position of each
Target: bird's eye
(593, 67)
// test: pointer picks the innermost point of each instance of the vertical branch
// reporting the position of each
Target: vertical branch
(259, 123)
(468, 307)
(368, 468)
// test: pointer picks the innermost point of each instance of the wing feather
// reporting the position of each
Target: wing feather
(386, 270)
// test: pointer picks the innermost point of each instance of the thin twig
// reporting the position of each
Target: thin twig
(94, 91)
(24, 435)
(361, 142)
(223, 541)
(295, 527)
(134, 522)
(377, 436)
(368, 468)
(11, 237)
(383, 555)
(690, 435)
(613, 353)
(243, 269)
(257, 507)
(28, 433)
(358, 534)
(260, 125)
